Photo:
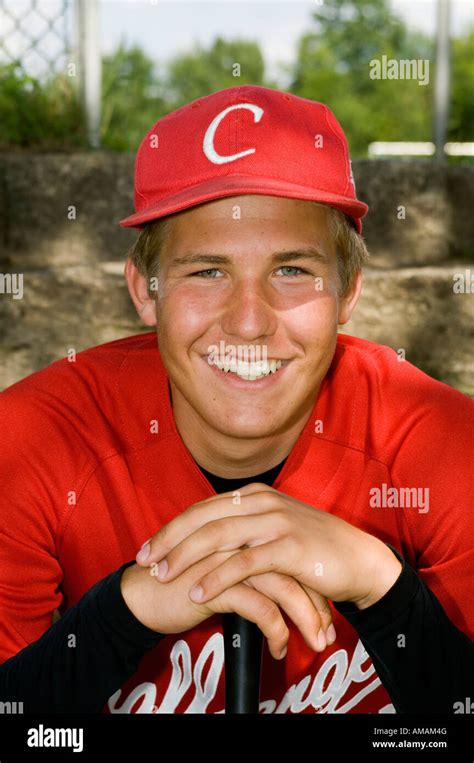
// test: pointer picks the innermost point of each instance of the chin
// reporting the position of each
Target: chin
(246, 426)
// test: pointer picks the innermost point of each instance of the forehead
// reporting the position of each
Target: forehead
(252, 206)
(251, 217)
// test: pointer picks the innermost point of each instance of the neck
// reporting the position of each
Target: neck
(228, 456)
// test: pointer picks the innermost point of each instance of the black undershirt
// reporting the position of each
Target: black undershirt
(224, 485)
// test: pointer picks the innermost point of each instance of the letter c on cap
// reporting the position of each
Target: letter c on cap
(208, 142)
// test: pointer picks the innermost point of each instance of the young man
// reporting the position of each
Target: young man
(308, 481)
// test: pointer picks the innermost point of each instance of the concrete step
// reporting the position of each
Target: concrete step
(416, 310)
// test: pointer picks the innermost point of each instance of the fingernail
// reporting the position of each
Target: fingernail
(162, 569)
(331, 634)
(144, 552)
(283, 653)
(322, 643)
(196, 593)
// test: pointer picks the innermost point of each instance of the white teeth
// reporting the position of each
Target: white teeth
(250, 371)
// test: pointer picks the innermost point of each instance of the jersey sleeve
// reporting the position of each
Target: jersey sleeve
(39, 465)
(435, 458)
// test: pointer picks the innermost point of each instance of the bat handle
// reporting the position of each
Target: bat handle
(243, 664)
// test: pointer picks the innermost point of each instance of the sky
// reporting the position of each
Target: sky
(164, 28)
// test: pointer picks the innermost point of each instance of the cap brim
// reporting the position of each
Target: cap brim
(235, 185)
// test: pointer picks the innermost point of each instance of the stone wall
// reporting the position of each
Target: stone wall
(75, 296)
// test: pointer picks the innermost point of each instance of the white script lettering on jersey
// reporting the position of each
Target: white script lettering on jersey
(309, 692)
(208, 142)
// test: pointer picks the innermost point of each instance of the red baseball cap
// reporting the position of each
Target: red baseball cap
(245, 139)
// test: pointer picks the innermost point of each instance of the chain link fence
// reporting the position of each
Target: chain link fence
(46, 37)
(36, 35)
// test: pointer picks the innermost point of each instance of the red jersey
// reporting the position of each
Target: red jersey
(93, 465)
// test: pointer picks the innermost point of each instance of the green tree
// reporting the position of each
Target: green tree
(203, 71)
(461, 122)
(44, 114)
(333, 66)
(131, 101)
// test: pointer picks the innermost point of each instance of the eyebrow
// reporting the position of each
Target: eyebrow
(306, 253)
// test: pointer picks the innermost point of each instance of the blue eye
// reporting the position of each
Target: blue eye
(201, 273)
(292, 267)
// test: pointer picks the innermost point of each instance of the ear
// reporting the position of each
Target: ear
(138, 289)
(350, 299)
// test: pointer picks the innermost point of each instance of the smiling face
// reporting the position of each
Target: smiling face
(247, 278)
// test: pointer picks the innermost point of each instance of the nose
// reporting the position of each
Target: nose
(248, 313)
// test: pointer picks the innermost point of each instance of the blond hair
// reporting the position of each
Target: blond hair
(351, 250)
